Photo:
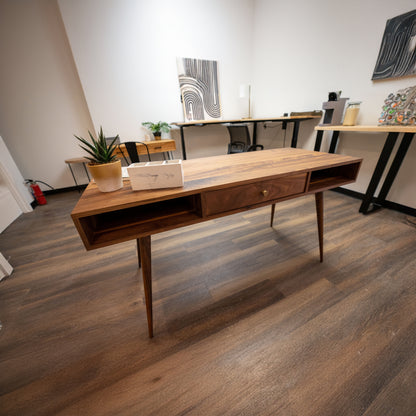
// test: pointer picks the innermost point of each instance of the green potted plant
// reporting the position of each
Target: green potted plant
(104, 165)
(157, 128)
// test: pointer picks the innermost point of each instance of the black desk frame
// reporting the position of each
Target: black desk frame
(296, 124)
(369, 199)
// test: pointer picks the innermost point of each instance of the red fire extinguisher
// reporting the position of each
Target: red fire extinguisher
(36, 191)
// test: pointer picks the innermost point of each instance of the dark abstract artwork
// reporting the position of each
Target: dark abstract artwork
(397, 55)
(198, 82)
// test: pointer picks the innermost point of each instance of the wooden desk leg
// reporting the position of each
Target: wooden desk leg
(145, 254)
(272, 215)
(319, 202)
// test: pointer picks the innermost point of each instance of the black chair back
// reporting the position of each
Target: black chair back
(131, 148)
(240, 139)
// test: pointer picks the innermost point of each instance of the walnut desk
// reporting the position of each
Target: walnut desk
(214, 187)
(388, 148)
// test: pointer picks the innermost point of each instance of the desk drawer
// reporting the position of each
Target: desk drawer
(242, 196)
(162, 146)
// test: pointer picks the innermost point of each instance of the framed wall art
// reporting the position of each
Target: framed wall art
(198, 83)
(397, 55)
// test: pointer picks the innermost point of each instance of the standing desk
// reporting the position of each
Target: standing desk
(214, 187)
(296, 120)
(392, 136)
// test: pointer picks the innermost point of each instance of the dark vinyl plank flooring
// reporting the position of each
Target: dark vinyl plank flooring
(247, 321)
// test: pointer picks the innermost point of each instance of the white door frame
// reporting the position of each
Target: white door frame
(23, 204)
(5, 268)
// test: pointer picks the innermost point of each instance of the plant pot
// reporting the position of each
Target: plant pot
(158, 135)
(107, 176)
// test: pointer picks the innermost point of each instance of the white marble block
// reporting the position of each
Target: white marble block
(155, 175)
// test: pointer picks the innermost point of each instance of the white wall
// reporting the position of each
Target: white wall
(41, 101)
(304, 49)
(120, 66)
(126, 51)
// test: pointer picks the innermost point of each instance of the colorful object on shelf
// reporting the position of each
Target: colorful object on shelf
(399, 108)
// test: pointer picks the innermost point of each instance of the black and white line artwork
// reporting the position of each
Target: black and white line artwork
(397, 55)
(198, 82)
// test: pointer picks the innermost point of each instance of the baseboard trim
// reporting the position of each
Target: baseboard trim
(386, 204)
(79, 188)
(67, 189)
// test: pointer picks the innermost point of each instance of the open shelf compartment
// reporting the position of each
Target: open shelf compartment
(331, 177)
(127, 223)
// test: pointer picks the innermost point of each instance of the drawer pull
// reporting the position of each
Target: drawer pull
(264, 192)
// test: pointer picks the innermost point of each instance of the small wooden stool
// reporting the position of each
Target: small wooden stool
(82, 160)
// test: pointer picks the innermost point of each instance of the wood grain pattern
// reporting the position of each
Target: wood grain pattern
(103, 219)
(370, 129)
(244, 120)
(249, 321)
(216, 172)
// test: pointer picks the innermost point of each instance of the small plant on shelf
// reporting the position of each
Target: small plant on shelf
(157, 128)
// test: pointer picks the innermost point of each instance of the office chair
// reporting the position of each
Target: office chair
(131, 148)
(240, 139)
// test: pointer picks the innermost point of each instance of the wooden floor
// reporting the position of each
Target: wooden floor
(247, 321)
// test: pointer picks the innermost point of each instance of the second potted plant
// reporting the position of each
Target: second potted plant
(157, 128)
(104, 165)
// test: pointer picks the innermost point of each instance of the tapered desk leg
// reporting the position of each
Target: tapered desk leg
(145, 254)
(319, 201)
(272, 215)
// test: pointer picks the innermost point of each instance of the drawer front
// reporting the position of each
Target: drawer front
(160, 147)
(242, 196)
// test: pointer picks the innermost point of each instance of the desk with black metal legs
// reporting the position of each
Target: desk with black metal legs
(296, 120)
(393, 133)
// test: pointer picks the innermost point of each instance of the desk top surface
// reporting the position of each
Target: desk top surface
(370, 129)
(212, 173)
(244, 120)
